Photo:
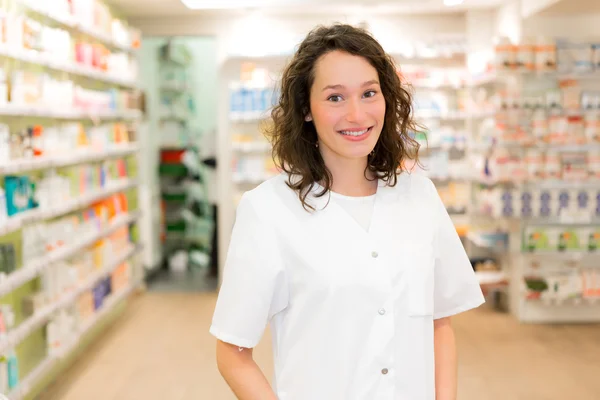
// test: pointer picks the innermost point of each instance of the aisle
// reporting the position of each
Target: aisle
(160, 349)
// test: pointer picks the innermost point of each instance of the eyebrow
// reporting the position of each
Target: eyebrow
(367, 83)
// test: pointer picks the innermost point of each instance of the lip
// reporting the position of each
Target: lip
(357, 138)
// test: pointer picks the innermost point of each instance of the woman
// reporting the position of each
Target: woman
(354, 262)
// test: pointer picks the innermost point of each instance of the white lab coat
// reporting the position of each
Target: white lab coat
(351, 311)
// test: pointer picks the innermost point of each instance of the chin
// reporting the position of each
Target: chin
(357, 153)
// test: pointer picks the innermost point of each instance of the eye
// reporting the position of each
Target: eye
(335, 98)
(370, 93)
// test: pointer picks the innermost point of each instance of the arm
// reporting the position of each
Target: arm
(445, 360)
(242, 374)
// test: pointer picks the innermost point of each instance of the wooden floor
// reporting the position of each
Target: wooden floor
(160, 349)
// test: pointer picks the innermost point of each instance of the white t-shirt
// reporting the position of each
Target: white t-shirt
(351, 310)
(359, 208)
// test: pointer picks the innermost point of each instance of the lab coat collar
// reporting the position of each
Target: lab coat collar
(384, 192)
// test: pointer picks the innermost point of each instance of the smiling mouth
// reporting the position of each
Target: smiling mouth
(355, 132)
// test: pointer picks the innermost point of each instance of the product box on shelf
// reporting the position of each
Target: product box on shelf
(569, 282)
(532, 201)
(531, 54)
(19, 194)
(560, 238)
(85, 305)
(34, 238)
(593, 238)
(120, 277)
(8, 258)
(32, 304)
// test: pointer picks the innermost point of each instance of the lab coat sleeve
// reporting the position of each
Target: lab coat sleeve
(253, 287)
(456, 288)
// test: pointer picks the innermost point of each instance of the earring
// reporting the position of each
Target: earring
(308, 118)
(317, 144)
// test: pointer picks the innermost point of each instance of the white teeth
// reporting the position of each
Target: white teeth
(354, 133)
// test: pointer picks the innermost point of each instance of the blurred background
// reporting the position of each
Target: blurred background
(130, 128)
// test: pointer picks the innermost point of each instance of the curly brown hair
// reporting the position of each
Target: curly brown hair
(294, 139)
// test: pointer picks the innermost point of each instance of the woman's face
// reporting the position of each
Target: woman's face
(346, 106)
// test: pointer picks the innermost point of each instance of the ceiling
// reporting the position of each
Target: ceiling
(573, 7)
(174, 8)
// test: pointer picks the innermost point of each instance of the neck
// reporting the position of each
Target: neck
(349, 177)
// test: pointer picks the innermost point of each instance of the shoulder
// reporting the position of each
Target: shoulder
(416, 186)
(420, 184)
(266, 197)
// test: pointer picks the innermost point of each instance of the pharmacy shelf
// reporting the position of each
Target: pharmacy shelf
(42, 316)
(176, 87)
(26, 385)
(34, 268)
(484, 243)
(48, 61)
(176, 118)
(586, 220)
(553, 312)
(482, 80)
(492, 278)
(11, 110)
(104, 310)
(251, 179)
(436, 86)
(453, 115)
(445, 85)
(562, 148)
(541, 184)
(72, 24)
(560, 75)
(16, 222)
(575, 301)
(413, 57)
(250, 147)
(249, 116)
(572, 255)
(539, 221)
(32, 164)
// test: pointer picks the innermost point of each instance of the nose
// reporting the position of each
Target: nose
(355, 111)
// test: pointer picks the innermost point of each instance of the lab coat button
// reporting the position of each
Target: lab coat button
(384, 371)
(374, 254)
(381, 311)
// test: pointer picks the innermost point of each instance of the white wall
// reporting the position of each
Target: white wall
(276, 35)
(532, 7)
(508, 20)
(480, 32)
(583, 26)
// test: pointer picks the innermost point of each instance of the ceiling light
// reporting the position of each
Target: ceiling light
(229, 4)
(452, 3)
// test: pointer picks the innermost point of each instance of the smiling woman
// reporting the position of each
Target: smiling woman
(342, 107)
(354, 262)
(346, 113)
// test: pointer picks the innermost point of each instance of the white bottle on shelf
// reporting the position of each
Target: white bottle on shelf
(545, 54)
(596, 56)
(593, 165)
(3, 210)
(4, 377)
(526, 55)
(4, 144)
(505, 54)
(552, 165)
